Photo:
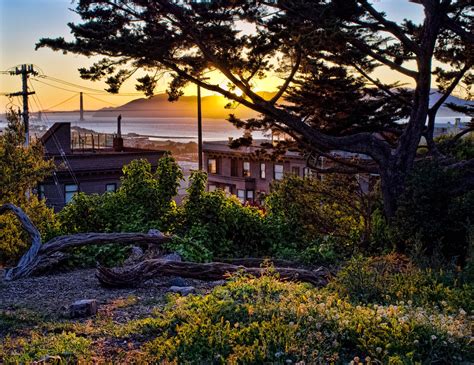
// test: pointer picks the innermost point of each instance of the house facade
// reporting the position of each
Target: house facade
(247, 174)
(87, 170)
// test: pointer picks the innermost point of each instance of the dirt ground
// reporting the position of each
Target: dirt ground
(51, 295)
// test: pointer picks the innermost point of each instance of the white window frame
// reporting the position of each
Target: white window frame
(246, 171)
(263, 171)
(241, 195)
(278, 175)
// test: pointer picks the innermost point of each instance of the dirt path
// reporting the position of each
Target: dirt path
(51, 295)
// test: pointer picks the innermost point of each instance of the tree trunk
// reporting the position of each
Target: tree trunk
(40, 254)
(149, 269)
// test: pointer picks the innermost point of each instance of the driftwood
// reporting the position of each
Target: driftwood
(149, 269)
(40, 254)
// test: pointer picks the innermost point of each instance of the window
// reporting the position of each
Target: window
(212, 166)
(263, 174)
(69, 191)
(233, 167)
(212, 188)
(41, 192)
(241, 195)
(227, 189)
(278, 172)
(295, 170)
(111, 187)
(307, 172)
(246, 169)
(250, 195)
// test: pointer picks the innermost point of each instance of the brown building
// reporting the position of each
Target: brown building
(244, 173)
(88, 170)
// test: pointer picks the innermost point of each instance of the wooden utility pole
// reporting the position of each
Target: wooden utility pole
(199, 127)
(199, 117)
(81, 106)
(24, 71)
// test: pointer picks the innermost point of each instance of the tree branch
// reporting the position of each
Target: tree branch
(289, 79)
(391, 27)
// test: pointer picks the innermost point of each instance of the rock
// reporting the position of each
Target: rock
(136, 255)
(183, 290)
(217, 283)
(83, 308)
(172, 257)
(177, 281)
(155, 233)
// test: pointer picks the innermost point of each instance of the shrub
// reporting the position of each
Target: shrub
(264, 320)
(63, 348)
(430, 219)
(333, 210)
(226, 227)
(393, 278)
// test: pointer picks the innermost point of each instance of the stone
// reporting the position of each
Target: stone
(172, 257)
(218, 283)
(183, 290)
(177, 281)
(155, 233)
(136, 255)
(83, 308)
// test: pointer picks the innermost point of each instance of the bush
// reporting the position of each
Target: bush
(264, 320)
(393, 278)
(431, 221)
(222, 224)
(63, 348)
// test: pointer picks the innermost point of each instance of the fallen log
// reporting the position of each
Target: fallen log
(148, 269)
(40, 254)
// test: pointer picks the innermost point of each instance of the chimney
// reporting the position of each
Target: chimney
(118, 140)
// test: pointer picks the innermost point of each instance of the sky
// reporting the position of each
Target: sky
(24, 22)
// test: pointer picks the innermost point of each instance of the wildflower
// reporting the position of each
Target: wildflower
(462, 312)
(433, 337)
(378, 350)
(356, 359)
(410, 302)
(416, 342)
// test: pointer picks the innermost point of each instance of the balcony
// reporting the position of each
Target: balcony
(240, 182)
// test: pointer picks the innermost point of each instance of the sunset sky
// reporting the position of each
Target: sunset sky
(23, 22)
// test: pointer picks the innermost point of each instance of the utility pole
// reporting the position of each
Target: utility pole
(81, 106)
(24, 71)
(199, 117)
(199, 127)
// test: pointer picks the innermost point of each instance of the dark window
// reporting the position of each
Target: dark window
(278, 172)
(233, 167)
(250, 195)
(69, 191)
(295, 170)
(263, 173)
(246, 169)
(212, 166)
(111, 187)
(41, 192)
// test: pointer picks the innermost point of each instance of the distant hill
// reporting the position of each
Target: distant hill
(213, 107)
(444, 111)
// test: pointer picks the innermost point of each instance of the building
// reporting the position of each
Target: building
(89, 170)
(247, 174)
(244, 173)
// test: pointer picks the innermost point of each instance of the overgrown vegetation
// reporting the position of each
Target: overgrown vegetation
(259, 320)
(21, 169)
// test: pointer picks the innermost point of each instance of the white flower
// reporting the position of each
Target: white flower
(378, 350)
(462, 312)
(433, 337)
(416, 342)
